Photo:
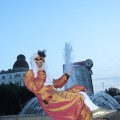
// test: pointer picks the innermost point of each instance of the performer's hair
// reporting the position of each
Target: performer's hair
(42, 53)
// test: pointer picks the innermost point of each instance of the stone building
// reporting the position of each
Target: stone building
(16, 74)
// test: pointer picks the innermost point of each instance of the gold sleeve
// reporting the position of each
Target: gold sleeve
(59, 83)
(33, 84)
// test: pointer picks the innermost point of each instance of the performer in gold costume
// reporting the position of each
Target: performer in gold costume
(70, 104)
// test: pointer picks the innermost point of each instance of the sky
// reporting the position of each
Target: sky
(92, 27)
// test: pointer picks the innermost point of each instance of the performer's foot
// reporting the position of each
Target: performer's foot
(100, 112)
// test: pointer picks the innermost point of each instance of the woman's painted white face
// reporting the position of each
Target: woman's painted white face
(39, 61)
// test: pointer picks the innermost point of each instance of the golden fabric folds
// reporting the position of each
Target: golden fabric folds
(59, 83)
(59, 105)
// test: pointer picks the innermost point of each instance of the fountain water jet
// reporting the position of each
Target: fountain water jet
(68, 59)
(32, 107)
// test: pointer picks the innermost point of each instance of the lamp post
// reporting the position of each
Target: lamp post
(103, 85)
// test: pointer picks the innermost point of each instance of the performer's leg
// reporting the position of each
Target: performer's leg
(88, 102)
(95, 110)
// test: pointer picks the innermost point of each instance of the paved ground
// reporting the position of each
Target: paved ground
(112, 116)
(115, 116)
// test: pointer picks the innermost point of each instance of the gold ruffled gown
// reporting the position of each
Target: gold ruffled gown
(59, 105)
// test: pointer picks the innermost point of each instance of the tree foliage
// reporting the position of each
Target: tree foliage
(113, 91)
(13, 98)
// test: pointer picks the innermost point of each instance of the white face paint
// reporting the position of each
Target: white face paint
(39, 61)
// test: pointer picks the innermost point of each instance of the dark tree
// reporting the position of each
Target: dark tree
(13, 98)
(113, 91)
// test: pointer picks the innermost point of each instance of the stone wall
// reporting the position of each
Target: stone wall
(25, 117)
(112, 116)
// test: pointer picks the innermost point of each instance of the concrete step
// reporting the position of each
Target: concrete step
(114, 116)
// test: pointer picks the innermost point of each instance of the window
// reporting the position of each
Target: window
(10, 76)
(3, 77)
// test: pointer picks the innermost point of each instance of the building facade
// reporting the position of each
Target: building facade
(16, 74)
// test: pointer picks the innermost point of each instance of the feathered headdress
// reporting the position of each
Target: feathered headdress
(42, 53)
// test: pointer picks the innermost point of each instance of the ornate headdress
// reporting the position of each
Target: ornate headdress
(49, 79)
(42, 53)
(33, 63)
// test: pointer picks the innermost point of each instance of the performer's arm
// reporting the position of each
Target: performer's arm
(59, 83)
(33, 84)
